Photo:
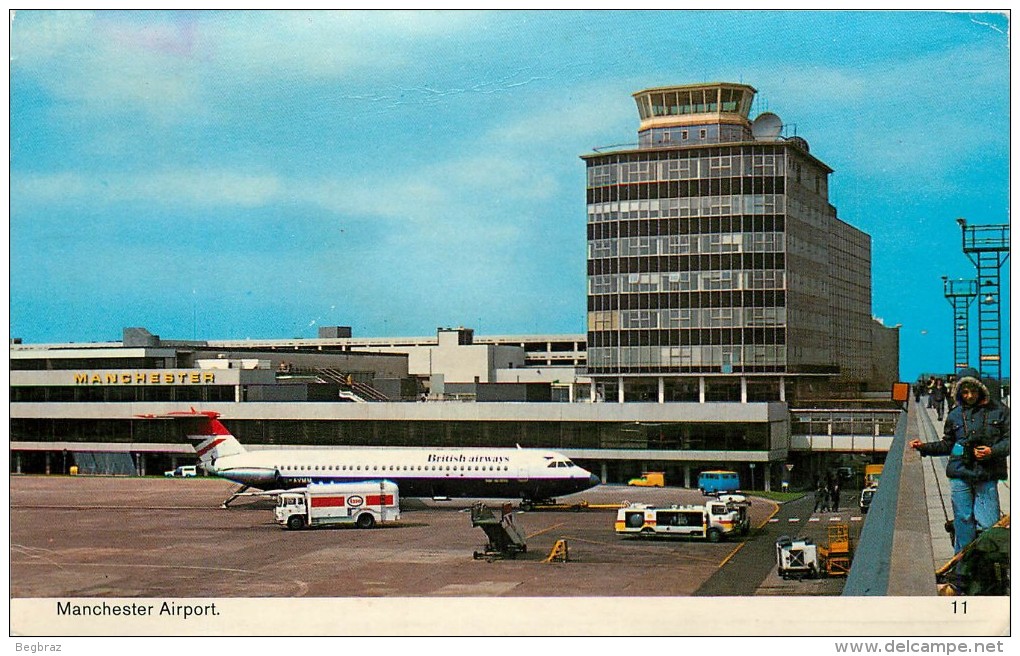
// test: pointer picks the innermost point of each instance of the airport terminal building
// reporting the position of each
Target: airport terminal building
(729, 326)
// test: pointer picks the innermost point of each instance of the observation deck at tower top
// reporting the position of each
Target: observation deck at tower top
(694, 104)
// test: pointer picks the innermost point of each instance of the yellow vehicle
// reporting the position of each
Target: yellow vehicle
(649, 479)
(871, 475)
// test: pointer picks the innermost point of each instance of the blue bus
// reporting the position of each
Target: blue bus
(718, 482)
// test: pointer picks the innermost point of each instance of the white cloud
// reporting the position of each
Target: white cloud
(204, 188)
(176, 64)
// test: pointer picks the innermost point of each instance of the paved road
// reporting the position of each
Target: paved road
(752, 570)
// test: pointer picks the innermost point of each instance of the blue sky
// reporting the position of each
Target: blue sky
(221, 175)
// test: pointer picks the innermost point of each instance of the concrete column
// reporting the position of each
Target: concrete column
(662, 389)
(619, 389)
(17, 462)
(141, 464)
(743, 389)
(592, 390)
(605, 471)
(782, 388)
(687, 476)
(47, 462)
(701, 389)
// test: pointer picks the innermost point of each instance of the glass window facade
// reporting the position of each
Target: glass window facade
(687, 261)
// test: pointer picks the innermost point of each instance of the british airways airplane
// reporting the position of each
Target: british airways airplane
(529, 474)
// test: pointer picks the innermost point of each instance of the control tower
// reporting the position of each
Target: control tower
(694, 114)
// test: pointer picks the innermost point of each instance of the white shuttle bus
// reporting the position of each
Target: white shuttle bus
(363, 504)
(713, 521)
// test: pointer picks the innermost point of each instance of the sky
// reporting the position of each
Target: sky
(231, 175)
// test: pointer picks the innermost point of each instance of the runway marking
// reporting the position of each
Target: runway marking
(732, 554)
(773, 521)
(28, 551)
(815, 519)
(545, 530)
(572, 539)
(769, 520)
(146, 565)
(835, 519)
(856, 519)
(793, 519)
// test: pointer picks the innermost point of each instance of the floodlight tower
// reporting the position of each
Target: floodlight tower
(987, 246)
(960, 294)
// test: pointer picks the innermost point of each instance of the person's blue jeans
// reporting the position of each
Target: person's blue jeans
(975, 508)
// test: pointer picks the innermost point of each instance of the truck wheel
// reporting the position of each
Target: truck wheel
(296, 522)
(647, 531)
(714, 535)
(365, 520)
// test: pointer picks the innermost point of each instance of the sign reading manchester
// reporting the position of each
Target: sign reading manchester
(145, 378)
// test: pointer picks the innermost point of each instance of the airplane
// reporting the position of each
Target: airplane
(534, 475)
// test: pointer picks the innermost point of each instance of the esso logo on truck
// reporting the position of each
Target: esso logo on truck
(354, 501)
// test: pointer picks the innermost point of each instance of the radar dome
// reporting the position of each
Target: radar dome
(767, 127)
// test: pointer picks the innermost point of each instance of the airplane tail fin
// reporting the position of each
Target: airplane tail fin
(213, 439)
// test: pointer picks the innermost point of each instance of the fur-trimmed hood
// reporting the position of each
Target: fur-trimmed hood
(970, 377)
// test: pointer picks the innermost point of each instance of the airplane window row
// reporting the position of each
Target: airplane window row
(561, 463)
(397, 467)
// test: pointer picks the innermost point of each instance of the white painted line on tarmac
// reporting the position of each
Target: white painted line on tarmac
(815, 519)
(835, 519)
(773, 521)
(794, 519)
(856, 519)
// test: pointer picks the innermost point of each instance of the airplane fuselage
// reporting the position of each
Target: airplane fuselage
(419, 472)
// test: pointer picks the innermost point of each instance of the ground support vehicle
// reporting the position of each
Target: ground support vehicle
(871, 474)
(837, 556)
(802, 558)
(714, 521)
(740, 504)
(506, 539)
(867, 495)
(362, 504)
(649, 479)
(797, 557)
(184, 471)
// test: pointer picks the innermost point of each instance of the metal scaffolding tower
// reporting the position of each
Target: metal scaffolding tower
(987, 246)
(960, 294)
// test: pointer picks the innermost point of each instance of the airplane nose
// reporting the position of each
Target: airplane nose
(594, 480)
